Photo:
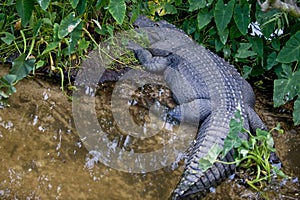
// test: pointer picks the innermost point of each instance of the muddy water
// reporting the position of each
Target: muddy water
(42, 156)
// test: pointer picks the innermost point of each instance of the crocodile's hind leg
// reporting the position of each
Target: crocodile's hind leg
(254, 120)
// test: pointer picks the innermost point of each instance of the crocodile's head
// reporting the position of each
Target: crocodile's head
(144, 22)
(160, 34)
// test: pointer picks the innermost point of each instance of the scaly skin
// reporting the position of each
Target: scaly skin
(205, 85)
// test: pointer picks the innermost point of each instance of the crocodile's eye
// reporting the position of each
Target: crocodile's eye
(156, 24)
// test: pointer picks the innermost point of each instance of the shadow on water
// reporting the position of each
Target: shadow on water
(42, 156)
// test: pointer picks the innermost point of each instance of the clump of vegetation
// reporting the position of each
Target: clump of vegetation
(252, 155)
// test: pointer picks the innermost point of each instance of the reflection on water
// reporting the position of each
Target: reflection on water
(42, 156)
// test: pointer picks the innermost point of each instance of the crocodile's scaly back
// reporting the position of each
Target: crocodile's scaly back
(210, 79)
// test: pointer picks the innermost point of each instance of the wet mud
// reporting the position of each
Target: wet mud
(42, 156)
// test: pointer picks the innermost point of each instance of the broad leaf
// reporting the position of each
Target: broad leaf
(2, 21)
(244, 52)
(196, 4)
(170, 9)
(234, 32)
(67, 25)
(296, 112)
(39, 64)
(291, 51)
(44, 4)
(101, 3)
(204, 17)
(73, 41)
(37, 26)
(223, 14)
(207, 161)
(7, 82)
(233, 140)
(257, 45)
(242, 18)
(266, 21)
(117, 9)
(74, 3)
(224, 35)
(189, 26)
(276, 43)
(81, 7)
(8, 38)
(22, 67)
(50, 47)
(286, 89)
(24, 9)
(246, 71)
(83, 45)
(218, 45)
(271, 61)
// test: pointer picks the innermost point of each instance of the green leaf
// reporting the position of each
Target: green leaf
(196, 4)
(291, 51)
(207, 161)
(286, 89)
(223, 14)
(51, 46)
(279, 172)
(246, 71)
(276, 43)
(24, 9)
(204, 17)
(170, 9)
(234, 32)
(67, 25)
(2, 95)
(266, 21)
(37, 26)
(74, 3)
(296, 112)
(189, 26)
(83, 45)
(271, 61)
(8, 39)
(101, 3)
(44, 4)
(39, 64)
(81, 7)
(117, 9)
(73, 41)
(244, 52)
(257, 45)
(244, 152)
(2, 21)
(224, 35)
(242, 17)
(218, 45)
(226, 52)
(7, 82)
(55, 32)
(233, 140)
(261, 134)
(22, 67)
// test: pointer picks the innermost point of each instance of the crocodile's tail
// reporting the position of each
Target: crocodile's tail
(195, 183)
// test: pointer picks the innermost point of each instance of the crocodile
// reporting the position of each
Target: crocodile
(208, 91)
